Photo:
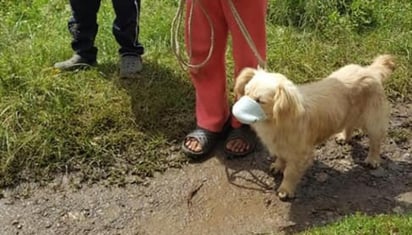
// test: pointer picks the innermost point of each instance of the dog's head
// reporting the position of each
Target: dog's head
(277, 95)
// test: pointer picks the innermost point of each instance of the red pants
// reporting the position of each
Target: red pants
(212, 104)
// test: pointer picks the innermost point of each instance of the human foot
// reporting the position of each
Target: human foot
(240, 142)
(200, 142)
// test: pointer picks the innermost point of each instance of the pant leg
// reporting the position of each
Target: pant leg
(253, 15)
(83, 27)
(126, 26)
(209, 81)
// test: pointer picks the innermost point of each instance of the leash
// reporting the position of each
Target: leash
(176, 27)
(245, 32)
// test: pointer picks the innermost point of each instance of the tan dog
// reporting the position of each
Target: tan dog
(301, 116)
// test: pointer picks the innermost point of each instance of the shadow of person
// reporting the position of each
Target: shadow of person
(162, 101)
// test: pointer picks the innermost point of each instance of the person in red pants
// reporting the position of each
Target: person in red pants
(208, 25)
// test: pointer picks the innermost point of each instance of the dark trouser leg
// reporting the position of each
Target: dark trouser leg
(126, 26)
(83, 27)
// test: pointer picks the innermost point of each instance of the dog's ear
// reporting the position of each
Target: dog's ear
(242, 79)
(287, 102)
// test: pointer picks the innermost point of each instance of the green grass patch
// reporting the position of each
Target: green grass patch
(83, 122)
(360, 224)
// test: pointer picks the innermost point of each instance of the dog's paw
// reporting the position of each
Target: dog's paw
(373, 162)
(276, 168)
(341, 138)
(284, 195)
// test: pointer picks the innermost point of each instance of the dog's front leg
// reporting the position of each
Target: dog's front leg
(373, 159)
(376, 133)
(294, 170)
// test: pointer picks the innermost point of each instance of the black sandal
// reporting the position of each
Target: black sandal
(207, 140)
(244, 133)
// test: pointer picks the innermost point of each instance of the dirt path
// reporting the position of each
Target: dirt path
(220, 196)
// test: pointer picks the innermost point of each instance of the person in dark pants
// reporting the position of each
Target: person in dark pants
(83, 28)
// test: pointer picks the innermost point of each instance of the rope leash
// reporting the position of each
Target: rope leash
(245, 32)
(176, 26)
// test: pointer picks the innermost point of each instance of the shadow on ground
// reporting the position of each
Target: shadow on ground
(339, 184)
(386, 190)
(162, 99)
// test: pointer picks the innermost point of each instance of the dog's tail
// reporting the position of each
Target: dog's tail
(385, 64)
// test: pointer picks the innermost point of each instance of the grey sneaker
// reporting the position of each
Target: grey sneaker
(130, 66)
(75, 62)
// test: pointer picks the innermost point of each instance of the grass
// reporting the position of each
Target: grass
(360, 224)
(63, 122)
(90, 123)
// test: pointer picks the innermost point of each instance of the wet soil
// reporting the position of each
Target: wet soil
(221, 196)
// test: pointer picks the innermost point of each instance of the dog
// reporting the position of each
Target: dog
(299, 117)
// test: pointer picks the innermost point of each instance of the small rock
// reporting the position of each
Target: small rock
(174, 148)
(394, 167)
(330, 214)
(73, 215)
(86, 212)
(8, 202)
(396, 155)
(20, 226)
(398, 210)
(174, 156)
(157, 174)
(268, 201)
(405, 198)
(321, 177)
(379, 172)
(344, 164)
(406, 157)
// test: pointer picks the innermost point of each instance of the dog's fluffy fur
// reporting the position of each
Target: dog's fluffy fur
(302, 116)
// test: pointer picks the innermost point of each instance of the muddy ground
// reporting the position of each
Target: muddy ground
(220, 196)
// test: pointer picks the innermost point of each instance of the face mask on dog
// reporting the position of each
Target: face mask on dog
(248, 111)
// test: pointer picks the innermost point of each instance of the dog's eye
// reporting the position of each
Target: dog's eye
(260, 101)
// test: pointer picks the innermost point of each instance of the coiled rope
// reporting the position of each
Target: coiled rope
(176, 27)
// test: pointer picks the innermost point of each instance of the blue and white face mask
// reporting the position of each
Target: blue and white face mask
(248, 111)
